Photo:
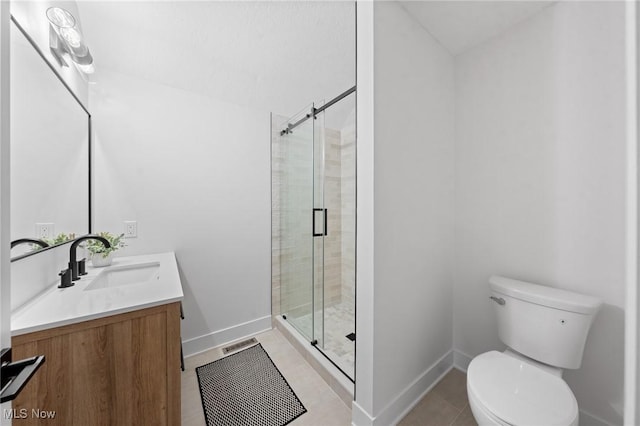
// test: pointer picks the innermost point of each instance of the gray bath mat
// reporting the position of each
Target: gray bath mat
(246, 389)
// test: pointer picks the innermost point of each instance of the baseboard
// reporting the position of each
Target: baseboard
(393, 412)
(412, 394)
(461, 360)
(203, 343)
(359, 416)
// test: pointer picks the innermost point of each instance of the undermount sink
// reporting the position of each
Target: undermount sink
(125, 275)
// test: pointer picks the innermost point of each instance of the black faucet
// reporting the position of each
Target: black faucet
(29, 241)
(73, 264)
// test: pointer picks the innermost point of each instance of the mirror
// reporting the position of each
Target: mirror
(50, 139)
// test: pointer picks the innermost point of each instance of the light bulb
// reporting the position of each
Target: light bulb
(60, 17)
(71, 36)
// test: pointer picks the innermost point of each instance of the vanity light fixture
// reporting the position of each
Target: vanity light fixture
(65, 38)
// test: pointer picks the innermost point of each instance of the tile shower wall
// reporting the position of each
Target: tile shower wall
(339, 200)
(348, 209)
(333, 204)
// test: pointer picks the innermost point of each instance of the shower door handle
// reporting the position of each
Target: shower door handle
(326, 221)
(323, 230)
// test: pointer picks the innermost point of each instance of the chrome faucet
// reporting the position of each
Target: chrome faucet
(73, 264)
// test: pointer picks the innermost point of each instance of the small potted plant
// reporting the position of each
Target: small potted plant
(99, 254)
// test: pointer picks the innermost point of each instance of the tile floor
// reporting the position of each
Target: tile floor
(445, 405)
(324, 407)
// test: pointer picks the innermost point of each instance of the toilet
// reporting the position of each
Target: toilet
(545, 330)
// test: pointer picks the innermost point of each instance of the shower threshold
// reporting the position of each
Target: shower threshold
(335, 378)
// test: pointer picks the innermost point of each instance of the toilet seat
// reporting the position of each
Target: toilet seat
(483, 416)
(517, 393)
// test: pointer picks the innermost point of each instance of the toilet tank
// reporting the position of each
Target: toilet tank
(544, 323)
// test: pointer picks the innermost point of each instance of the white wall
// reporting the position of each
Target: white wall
(362, 407)
(194, 173)
(540, 180)
(413, 214)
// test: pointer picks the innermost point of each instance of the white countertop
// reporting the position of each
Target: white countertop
(62, 306)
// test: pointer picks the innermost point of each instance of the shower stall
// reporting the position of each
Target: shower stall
(313, 158)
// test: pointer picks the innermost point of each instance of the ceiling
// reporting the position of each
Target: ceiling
(272, 56)
(460, 25)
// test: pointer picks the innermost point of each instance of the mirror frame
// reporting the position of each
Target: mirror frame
(64, 83)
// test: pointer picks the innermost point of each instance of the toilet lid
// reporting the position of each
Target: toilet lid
(519, 393)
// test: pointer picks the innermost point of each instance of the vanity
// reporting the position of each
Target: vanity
(112, 346)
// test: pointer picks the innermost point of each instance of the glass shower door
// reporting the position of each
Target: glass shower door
(335, 320)
(313, 171)
(298, 215)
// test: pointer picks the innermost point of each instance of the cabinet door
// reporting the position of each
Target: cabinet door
(122, 372)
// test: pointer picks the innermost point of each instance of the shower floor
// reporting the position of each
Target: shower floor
(339, 320)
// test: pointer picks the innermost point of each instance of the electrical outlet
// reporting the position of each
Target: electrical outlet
(44, 230)
(130, 229)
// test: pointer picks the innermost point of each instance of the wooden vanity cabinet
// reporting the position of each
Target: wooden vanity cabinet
(118, 370)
